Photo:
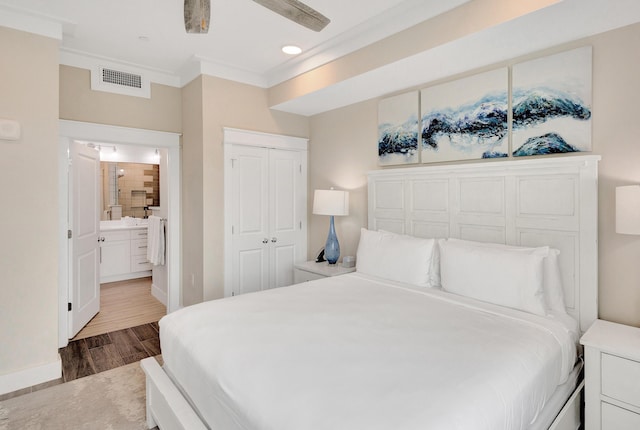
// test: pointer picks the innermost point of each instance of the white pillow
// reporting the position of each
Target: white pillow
(552, 284)
(434, 266)
(494, 275)
(395, 257)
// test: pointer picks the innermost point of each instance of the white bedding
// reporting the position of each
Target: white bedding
(355, 352)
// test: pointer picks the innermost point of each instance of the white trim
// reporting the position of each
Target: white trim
(159, 294)
(84, 131)
(389, 22)
(202, 66)
(29, 377)
(31, 23)
(115, 134)
(495, 165)
(234, 136)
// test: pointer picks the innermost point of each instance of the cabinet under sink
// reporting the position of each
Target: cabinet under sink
(123, 254)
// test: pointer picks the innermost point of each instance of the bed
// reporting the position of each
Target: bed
(427, 333)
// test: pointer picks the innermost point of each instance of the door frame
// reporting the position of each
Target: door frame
(100, 133)
(234, 136)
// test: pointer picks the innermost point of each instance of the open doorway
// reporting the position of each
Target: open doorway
(132, 183)
(168, 153)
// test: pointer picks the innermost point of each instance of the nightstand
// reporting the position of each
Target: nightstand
(612, 376)
(310, 271)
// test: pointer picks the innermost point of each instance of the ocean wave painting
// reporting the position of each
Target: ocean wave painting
(551, 104)
(398, 130)
(466, 119)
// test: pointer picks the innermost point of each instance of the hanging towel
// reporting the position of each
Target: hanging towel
(155, 241)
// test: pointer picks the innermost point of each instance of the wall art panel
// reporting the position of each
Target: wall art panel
(466, 119)
(552, 104)
(398, 130)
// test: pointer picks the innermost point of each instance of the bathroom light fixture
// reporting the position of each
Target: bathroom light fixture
(291, 49)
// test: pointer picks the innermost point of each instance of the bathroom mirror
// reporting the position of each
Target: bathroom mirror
(129, 189)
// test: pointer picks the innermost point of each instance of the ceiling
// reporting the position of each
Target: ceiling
(245, 39)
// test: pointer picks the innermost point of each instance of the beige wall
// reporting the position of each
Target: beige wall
(162, 112)
(192, 192)
(29, 196)
(343, 149)
(229, 104)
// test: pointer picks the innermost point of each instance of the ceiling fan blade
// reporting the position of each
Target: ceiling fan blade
(297, 12)
(197, 14)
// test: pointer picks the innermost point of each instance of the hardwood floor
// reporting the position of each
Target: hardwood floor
(95, 354)
(124, 331)
(124, 304)
(91, 355)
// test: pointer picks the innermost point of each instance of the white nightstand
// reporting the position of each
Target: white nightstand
(612, 376)
(310, 270)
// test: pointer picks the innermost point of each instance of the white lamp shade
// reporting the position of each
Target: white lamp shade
(628, 209)
(331, 202)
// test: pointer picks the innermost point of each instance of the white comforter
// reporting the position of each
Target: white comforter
(358, 353)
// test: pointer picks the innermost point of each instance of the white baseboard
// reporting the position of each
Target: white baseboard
(29, 377)
(159, 294)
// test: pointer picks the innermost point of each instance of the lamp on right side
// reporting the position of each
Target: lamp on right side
(628, 209)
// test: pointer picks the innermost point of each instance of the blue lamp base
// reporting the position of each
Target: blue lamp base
(332, 247)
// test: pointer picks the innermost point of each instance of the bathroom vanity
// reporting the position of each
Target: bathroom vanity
(123, 250)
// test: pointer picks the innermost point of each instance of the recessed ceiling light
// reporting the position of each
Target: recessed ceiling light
(291, 50)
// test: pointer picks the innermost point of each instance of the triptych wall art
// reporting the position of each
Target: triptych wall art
(545, 110)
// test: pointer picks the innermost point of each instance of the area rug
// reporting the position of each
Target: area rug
(111, 400)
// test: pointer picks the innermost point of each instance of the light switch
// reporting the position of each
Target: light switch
(9, 129)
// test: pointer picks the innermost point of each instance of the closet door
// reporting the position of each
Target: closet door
(265, 187)
(285, 182)
(251, 239)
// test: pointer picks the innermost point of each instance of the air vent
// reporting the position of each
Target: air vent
(121, 78)
(120, 82)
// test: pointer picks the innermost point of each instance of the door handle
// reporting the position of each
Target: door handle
(101, 239)
(274, 239)
(265, 240)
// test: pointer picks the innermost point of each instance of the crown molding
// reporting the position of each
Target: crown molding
(29, 22)
(401, 17)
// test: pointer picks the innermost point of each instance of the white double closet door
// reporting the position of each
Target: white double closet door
(268, 198)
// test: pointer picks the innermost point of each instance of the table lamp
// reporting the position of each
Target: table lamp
(333, 203)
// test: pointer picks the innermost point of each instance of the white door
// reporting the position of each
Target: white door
(85, 232)
(268, 207)
(250, 245)
(285, 180)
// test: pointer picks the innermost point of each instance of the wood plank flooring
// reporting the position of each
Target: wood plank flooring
(124, 304)
(124, 331)
(95, 354)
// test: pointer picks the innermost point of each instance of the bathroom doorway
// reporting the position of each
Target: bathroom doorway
(165, 149)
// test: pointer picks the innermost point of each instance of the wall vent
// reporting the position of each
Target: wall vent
(121, 78)
(120, 82)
